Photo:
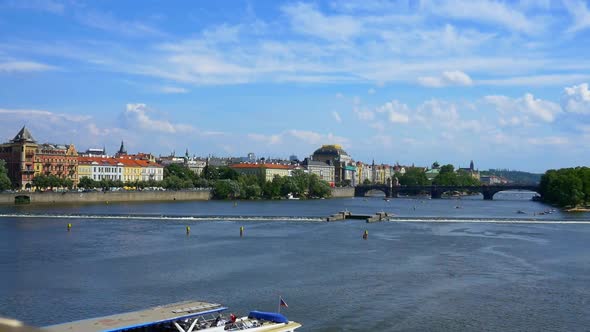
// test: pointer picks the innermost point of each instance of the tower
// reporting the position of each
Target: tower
(471, 166)
(122, 151)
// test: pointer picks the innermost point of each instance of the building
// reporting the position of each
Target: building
(19, 155)
(151, 171)
(94, 152)
(334, 155)
(102, 168)
(26, 159)
(57, 160)
(324, 171)
(491, 180)
(266, 170)
(196, 165)
(471, 171)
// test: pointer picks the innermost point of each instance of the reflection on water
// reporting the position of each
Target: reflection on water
(435, 276)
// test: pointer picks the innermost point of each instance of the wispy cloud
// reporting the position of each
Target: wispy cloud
(108, 22)
(24, 66)
(578, 10)
(447, 78)
(137, 115)
(172, 90)
(336, 117)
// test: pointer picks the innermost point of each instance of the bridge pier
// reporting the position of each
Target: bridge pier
(435, 194)
(488, 195)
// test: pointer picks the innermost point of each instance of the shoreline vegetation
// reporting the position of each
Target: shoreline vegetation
(567, 188)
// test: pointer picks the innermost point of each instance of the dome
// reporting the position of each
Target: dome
(330, 150)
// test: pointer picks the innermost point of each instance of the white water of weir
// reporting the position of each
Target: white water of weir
(291, 218)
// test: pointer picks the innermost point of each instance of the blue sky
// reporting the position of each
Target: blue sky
(504, 83)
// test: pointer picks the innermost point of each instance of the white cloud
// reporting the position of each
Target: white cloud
(482, 11)
(455, 77)
(549, 140)
(24, 66)
(580, 14)
(336, 117)
(363, 113)
(306, 19)
(172, 90)
(527, 105)
(270, 139)
(576, 99)
(137, 115)
(371, 91)
(41, 115)
(109, 23)
(396, 111)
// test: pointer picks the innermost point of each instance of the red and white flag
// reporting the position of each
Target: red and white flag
(283, 303)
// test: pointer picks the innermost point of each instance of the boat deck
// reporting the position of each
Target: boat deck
(139, 319)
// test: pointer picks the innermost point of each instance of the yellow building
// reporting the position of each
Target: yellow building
(131, 170)
(84, 169)
(269, 171)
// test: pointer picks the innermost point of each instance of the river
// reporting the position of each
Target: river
(448, 264)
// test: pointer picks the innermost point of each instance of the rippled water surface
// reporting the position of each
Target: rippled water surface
(502, 273)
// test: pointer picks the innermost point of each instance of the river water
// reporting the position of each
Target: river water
(449, 264)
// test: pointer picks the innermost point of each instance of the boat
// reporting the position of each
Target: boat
(520, 212)
(182, 317)
(290, 196)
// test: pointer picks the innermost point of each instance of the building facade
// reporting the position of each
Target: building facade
(57, 160)
(324, 171)
(268, 171)
(19, 155)
(344, 169)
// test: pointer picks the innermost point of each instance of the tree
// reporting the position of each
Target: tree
(226, 189)
(414, 176)
(435, 165)
(566, 186)
(446, 176)
(86, 183)
(5, 183)
(366, 182)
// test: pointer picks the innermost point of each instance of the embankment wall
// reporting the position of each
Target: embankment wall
(342, 192)
(115, 196)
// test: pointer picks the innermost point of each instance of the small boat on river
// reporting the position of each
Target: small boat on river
(182, 317)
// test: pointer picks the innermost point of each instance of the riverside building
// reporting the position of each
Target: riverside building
(26, 159)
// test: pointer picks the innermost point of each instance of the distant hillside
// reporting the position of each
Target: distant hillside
(515, 176)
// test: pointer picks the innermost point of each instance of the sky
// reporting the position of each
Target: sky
(503, 83)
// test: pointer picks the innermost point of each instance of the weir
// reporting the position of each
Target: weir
(344, 215)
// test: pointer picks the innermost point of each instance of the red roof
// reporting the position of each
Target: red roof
(114, 161)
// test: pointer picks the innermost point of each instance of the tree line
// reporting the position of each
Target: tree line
(416, 176)
(566, 187)
(226, 183)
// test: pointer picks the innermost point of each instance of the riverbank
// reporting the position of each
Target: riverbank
(124, 196)
(104, 197)
(578, 209)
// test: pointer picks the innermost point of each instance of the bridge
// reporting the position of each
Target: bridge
(488, 192)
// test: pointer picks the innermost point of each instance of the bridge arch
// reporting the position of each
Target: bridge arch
(22, 199)
(362, 190)
(492, 193)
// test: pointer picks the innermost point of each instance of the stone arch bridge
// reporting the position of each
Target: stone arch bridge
(488, 192)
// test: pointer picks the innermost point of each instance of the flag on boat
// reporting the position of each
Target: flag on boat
(283, 303)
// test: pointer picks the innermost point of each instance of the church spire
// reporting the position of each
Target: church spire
(122, 149)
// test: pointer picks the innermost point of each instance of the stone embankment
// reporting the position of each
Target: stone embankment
(106, 197)
(344, 192)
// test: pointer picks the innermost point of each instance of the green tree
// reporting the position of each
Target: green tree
(565, 187)
(414, 176)
(226, 189)
(87, 183)
(5, 183)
